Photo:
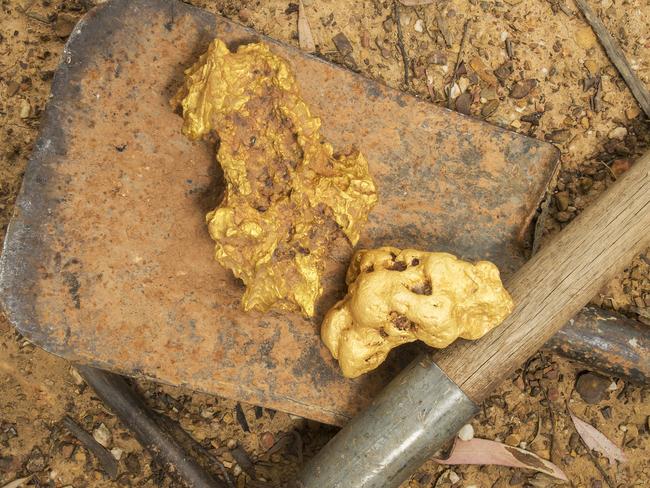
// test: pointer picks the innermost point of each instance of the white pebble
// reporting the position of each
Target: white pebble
(503, 36)
(454, 91)
(612, 386)
(419, 26)
(76, 376)
(236, 471)
(117, 453)
(102, 435)
(453, 477)
(466, 433)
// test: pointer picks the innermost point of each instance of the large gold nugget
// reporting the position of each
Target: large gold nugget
(289, 201)
(395, 297)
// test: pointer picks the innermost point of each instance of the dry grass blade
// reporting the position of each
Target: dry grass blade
(484, 452)
(596, 440)
(305, 36)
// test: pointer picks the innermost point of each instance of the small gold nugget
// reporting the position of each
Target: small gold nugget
(395, 297)
(288, 199)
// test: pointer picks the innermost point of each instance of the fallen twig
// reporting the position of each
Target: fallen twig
(617, 57)
(459, 60)
(400, 43)
(444, 32)
(106, 459)
(173, 427)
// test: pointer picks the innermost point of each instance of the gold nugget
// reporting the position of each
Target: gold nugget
(395, 297)
(289, 200)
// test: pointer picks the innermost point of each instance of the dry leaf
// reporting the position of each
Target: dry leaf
(484, 451)
(18, 482)
(305, 37)
(415, 3)
(594, 439)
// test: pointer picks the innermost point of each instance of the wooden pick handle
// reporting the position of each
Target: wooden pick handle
(556, 283)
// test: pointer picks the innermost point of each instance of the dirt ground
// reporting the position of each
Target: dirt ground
(577, 101)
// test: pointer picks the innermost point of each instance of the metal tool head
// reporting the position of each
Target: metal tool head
(108, 262)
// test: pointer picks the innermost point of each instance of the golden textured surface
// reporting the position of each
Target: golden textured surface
(289, 200)
(395, 297)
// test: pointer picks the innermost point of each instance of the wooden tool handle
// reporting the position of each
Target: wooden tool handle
(556, 283)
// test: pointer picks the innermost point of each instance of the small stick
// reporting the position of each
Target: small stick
(459, 59)
(442, 27)
(400, 43)
(106, 459)
(617, 57)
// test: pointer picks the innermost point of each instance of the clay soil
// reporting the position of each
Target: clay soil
(599, 131)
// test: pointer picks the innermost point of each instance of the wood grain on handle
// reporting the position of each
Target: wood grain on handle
(557, 282)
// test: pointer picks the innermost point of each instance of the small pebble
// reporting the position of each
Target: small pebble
(562, 200)
(419, 26)
(463, 103)
(466, 433)
(12, 88)
(231, 443)
(574, 441)
(36, 462)
(522, 88)
(64, 24)
(513, 440)
(592, 67)
(102, 435)
(76, 376)
(25, 109)
(618, 133)
(244, 14)
(489, 108)
(620, 166)
(67, 450)
(453, 477)
(454, 91)
(236, 471)
(632, 112)
(592, 387)
(516, 479)
(559, 136)
(267, 440)
(585, 37)
(117, 453)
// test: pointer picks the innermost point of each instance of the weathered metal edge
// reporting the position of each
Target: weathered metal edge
(24, 248)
